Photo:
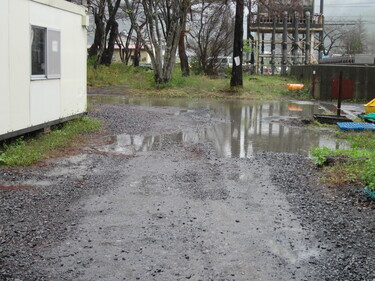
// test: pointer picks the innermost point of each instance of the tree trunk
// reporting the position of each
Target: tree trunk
(137, 52)
(128, 52)
(101, 47)
(108, 52)
(171, 50)
(184, 62)
(99, 30)
(236, 79)
(112, 30)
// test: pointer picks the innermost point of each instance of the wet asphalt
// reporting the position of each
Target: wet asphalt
(179, 211)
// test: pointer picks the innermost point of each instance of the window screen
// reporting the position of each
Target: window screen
(53, 53)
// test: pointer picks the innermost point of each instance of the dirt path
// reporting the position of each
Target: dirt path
(178, 212)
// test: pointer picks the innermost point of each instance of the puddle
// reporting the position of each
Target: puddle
(250, 127)
(292, 255)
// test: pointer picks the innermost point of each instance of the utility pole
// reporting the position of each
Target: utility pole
(308, 39)
(236, 79)
(321, 33)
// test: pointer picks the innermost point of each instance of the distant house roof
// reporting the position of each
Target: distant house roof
(131, 46)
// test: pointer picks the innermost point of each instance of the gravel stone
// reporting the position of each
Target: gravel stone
(179, 212)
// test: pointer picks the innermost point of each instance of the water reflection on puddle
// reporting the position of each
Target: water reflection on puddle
(249, 127)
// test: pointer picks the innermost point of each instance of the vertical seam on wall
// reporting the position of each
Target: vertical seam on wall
(9, 78)
(30, 66)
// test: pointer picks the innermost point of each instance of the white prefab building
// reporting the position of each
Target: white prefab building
(42, 64)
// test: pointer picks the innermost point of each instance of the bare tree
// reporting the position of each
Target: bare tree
(355, 39)
(163, 21)
(106, 31)
(345, 38)
(332, 37)
(124, 50)
(210, 33)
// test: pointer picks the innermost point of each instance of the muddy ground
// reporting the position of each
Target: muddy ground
(179, 211)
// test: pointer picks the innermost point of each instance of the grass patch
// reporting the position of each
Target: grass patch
(359, 164)
(24, 152)
(141, 82)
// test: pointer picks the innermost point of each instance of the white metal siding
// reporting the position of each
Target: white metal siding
(73, 56)
(25, 103)
(44, 101)
(4, 69)
(73, 68)
(19, 64)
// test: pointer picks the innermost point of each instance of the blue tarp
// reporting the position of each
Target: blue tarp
(344, 126)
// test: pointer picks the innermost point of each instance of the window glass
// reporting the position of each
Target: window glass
(45, 53)
(38, 51)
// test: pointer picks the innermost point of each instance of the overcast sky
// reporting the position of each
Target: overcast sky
(350, 10)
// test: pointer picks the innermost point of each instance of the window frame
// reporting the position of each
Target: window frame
(39, 76)
(48, 53)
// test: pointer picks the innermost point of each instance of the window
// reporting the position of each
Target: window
(45, 53)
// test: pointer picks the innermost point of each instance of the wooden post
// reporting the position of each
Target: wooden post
(262, 58)
(313, 83)
(340, 94)
(284, 44)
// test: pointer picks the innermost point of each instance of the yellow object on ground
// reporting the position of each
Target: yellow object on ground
(292, 107)
(295, 87)
(370, 107)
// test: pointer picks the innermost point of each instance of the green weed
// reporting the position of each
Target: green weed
(22, 152)
(141, 81)
(361, 160)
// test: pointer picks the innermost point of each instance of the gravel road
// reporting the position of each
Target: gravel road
(178, 211)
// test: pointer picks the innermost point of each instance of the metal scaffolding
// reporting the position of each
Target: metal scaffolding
(282, 33)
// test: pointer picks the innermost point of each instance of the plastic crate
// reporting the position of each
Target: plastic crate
(344, 126)
(370, 107)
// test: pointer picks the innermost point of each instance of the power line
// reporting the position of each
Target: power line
(358, 15)
(350, 4)
(363, 21)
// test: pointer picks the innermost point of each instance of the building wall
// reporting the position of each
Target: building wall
(4, 69)
(25, 102)
(361, 76)
(145, 57)
(18, 67)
